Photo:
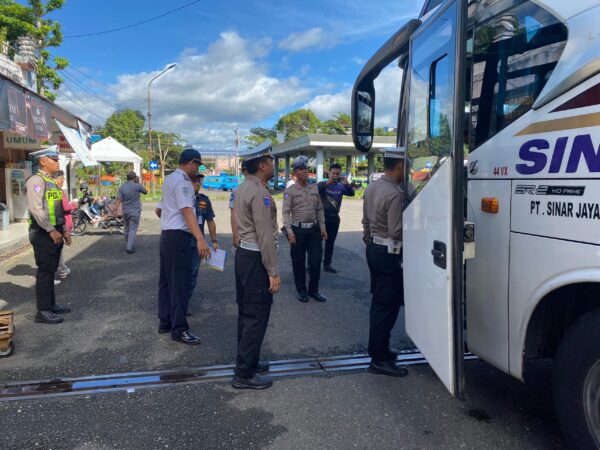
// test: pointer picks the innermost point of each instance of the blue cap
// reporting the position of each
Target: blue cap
(50, 152)
(300, 162)
(190, 154)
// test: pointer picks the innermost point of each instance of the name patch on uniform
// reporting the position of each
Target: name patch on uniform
(267, 201)
(37, 188)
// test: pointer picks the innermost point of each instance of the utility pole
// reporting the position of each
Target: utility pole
(237, 154)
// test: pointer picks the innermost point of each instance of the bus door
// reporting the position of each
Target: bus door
(434, 220)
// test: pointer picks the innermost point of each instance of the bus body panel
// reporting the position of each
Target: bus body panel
(539, 266)
(487, 273)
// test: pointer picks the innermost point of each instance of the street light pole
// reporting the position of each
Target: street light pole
(169, 67)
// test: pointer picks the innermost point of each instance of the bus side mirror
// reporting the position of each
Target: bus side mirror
(363, 115)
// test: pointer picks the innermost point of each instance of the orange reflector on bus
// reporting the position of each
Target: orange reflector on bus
(490, 205)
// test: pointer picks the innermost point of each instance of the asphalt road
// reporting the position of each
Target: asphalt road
(113, 329)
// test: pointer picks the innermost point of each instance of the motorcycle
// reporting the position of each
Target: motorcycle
(94, 213)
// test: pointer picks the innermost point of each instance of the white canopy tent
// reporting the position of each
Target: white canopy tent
(111, 150)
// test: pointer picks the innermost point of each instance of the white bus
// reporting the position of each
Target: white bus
(513, 86)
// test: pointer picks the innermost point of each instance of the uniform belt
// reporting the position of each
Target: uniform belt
(393, 246)
(304, 224)
(249, 246)
(379, 241)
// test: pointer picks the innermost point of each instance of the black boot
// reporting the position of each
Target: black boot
(256, 382)
(47, 317)
(388, 368)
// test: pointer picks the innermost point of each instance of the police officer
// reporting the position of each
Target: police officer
(206, 216)
(129, 197)
(332, 192)
(234, 232)
(256, 267)
(382, 225)
(180, 231)
(46, 233)
(304, 224)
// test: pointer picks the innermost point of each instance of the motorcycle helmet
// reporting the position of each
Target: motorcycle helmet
(83, 187)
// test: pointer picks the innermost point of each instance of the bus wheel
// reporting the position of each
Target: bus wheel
(576, 383)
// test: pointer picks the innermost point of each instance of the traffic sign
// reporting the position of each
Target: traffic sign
(153, 165)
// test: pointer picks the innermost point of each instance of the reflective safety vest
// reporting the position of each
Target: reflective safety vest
(53, 197)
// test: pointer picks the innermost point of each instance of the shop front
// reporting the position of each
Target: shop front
(29, 122)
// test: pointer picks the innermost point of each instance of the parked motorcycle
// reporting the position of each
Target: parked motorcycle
(93, 213)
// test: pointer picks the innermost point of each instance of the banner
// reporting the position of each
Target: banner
(78, 143)
(22, 112)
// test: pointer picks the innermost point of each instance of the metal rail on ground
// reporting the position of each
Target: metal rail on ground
(130, 382)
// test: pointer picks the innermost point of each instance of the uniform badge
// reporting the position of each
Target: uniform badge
(286, 196)
(231, 197)
(185, 190)
(37, 188)
(202, 205)
(267, 201)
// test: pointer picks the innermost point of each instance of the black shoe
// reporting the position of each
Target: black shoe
(187, 338)
(163, 330)
(329, 269)
(130, 252)
(61, 309)
(256, 382)
(188, 314)
(47, 317)
(262, 367)
(388, 368)
(302, 297)
(318, 297)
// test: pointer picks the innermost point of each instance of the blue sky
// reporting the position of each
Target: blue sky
(240, 63)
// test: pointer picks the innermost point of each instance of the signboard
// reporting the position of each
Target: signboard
(153, 165)
(14, 141)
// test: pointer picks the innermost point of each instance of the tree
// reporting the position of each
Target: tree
(169, 145)
(340, 124)
(17, 20)
(258, 135)
(127, 127)
(298, 123)
(382, 132)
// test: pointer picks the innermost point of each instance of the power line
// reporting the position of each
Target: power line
(133, 96)
(134, 24)
(82, 104)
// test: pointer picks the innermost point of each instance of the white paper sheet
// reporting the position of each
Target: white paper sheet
(216, 260)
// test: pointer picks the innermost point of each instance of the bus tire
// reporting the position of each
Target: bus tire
(576, 383)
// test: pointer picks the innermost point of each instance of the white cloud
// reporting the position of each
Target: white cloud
(387, 90)
(210, 94)
(314, 38)
(359, 61)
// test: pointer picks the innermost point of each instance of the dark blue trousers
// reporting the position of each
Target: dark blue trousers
(176, 261)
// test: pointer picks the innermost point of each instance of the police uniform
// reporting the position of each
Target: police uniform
(303, 215)
(44, 201)
(255, 262)
(382, 225)
(176, 253)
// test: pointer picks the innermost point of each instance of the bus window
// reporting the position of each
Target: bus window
(430, 99)
(514, 54)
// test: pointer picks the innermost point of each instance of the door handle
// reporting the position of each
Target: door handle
(439, 254)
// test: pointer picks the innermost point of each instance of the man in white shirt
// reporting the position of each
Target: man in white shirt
(180, 230)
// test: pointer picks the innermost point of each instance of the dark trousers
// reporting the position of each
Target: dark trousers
(176, 261)
(308, 240)
(332, 225)
(388, 296)
(254, 309)
(47, 256)
(131, 222)
(195, 269)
